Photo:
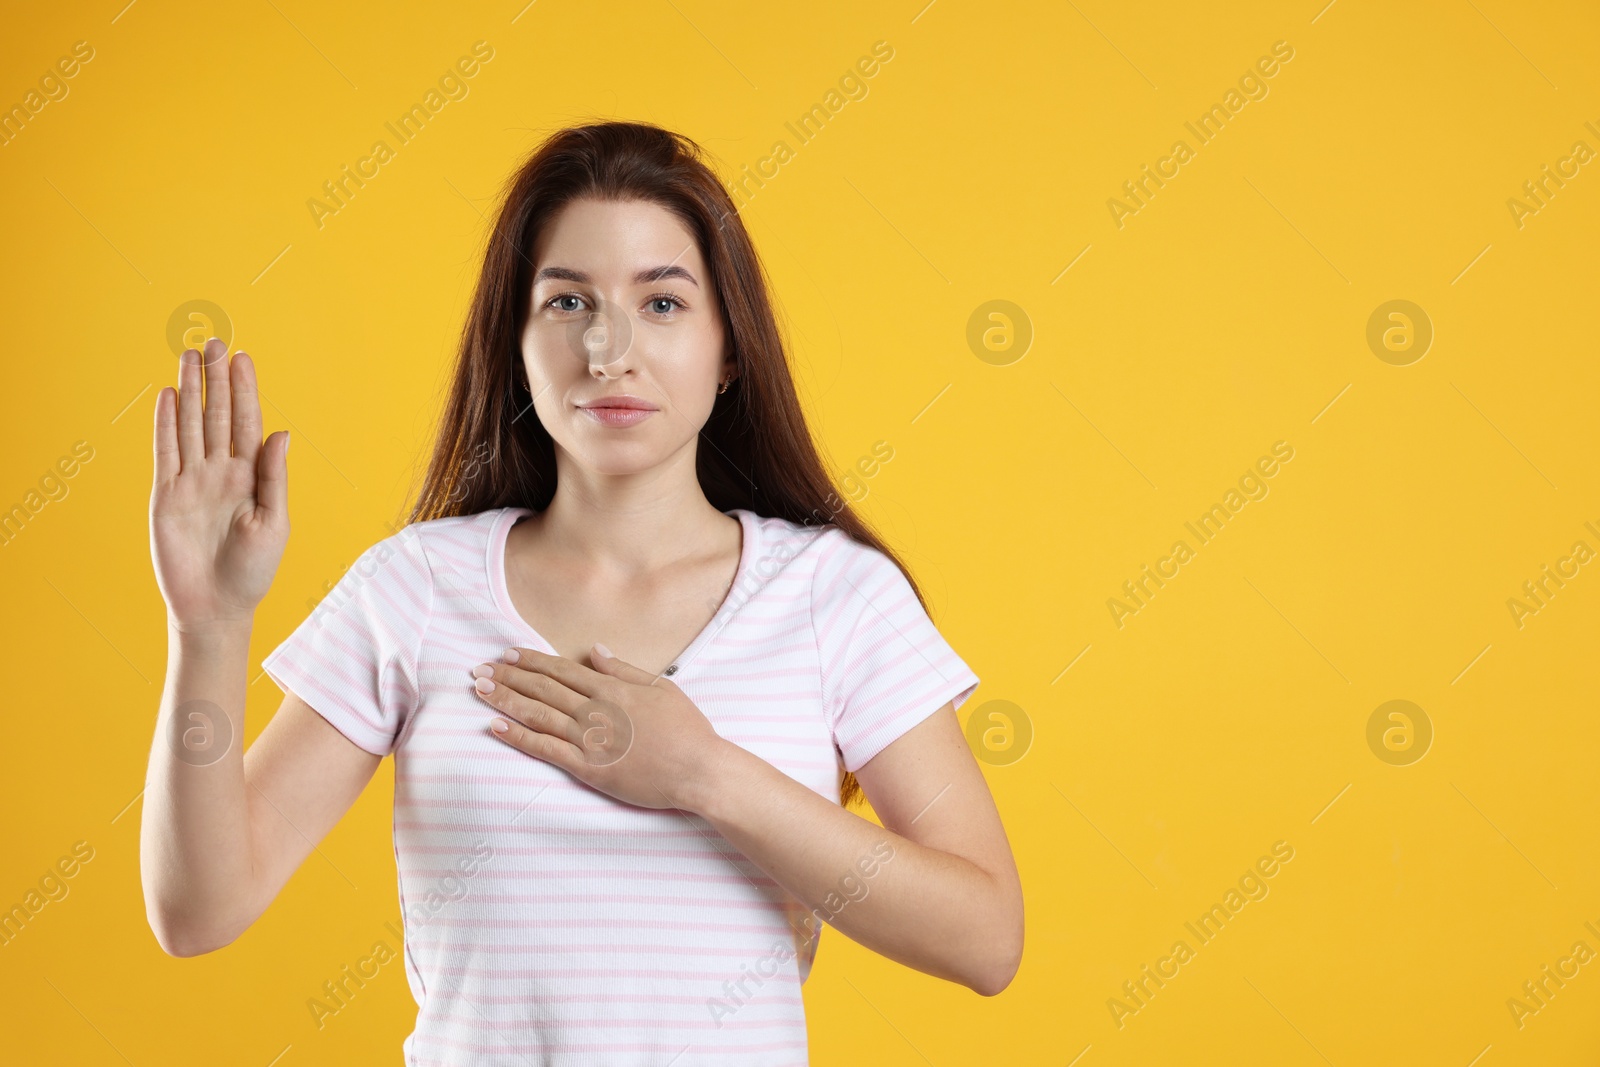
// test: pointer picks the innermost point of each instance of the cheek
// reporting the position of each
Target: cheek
(684, 390)
(545, 353)
(686, 365)
(554, 372)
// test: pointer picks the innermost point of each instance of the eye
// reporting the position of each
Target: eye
(564, 296)
(671, 302)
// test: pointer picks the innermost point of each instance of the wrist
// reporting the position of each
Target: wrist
(717, 776)
(212, 633)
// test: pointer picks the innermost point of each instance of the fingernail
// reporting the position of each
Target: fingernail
(511, 655)
(603, 650)
(484, 685)
(499, 726)
(287, 441)
(483, 670)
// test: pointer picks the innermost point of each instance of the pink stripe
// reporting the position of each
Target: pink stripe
(583, 901)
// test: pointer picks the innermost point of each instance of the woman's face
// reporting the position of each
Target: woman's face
(622, 307)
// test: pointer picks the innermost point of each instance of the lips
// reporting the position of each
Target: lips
(618, 410)
(628, 403)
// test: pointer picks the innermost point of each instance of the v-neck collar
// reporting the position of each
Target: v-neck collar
(496, 562)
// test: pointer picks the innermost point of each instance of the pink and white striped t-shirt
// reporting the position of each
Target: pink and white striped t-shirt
(545, 922)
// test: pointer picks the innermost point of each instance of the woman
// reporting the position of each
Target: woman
(604, 857)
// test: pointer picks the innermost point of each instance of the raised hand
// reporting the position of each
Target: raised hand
(219, 508)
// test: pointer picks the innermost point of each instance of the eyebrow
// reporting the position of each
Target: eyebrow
(644, 277)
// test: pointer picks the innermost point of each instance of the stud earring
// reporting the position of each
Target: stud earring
(723, 388)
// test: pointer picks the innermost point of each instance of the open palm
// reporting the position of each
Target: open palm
(219, 508)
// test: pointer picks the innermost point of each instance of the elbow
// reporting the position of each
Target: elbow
(183, 945)
(169, 924)
(1001, 962)
(181, 939)
(991, 989)
(177, 944)
(185, 925)
(994, 979)
(180, 949)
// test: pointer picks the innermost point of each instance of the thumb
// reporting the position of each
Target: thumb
(272, 475)
(606, 663)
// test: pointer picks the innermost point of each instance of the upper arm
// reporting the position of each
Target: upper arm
(927, 787)
(301, 776)
(349, 677)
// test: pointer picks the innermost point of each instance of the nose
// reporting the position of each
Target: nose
(603, 339)
(607, 368)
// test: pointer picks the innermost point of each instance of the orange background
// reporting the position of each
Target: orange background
(1165, 356)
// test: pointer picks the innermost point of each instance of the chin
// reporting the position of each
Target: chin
(619, 461)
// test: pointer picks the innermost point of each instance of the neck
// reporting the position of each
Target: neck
(634, 522)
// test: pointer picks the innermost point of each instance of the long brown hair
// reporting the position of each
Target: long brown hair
(490, 453)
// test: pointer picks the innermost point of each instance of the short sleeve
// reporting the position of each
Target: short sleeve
(354, 659)
(885, 666)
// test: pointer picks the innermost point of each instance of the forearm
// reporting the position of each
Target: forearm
(917, 905)
(195, 840)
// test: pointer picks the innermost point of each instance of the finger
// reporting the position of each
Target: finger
(272, 476)
(528, 701)
(533, 685)
(606, 663)
(246, 408)
(575, 676)
(166, 437)
(191, 438)
(219, 408)
(539, 745)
